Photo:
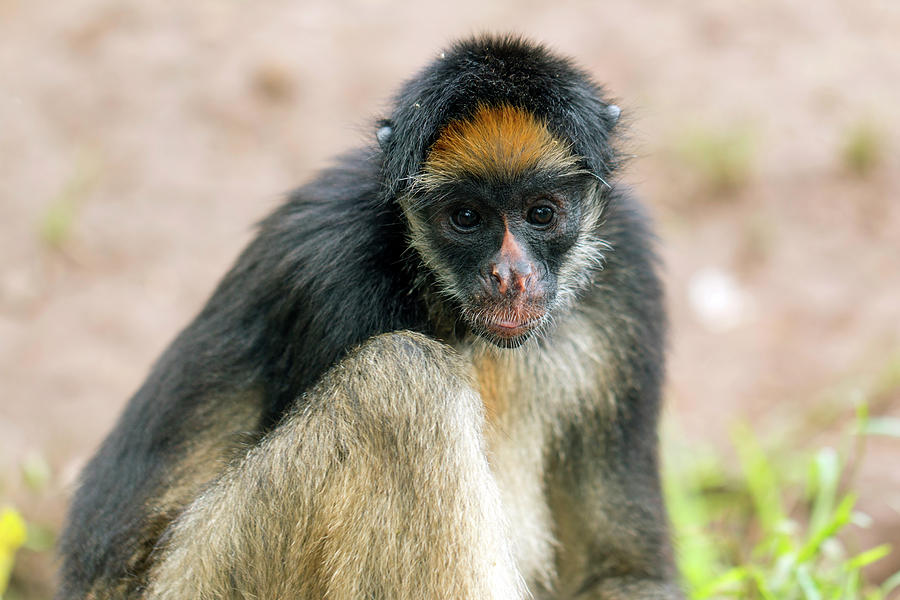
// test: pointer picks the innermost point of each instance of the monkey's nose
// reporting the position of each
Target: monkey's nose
(511, 277)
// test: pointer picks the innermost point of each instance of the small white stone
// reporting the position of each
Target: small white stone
(717, 299)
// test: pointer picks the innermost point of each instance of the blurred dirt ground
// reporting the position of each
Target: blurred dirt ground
(140, 141)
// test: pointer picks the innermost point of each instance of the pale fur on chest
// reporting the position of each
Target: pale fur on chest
(526, 393)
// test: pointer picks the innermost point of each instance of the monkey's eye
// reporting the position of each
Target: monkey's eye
(466, 218)
(540, 215)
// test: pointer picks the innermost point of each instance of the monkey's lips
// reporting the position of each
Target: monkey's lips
(509, 328)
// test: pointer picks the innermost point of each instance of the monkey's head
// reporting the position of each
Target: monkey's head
(499, 154)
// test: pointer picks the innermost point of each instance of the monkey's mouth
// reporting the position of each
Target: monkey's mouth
(509, 328)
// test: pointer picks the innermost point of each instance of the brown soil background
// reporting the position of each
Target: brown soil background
(139, 142)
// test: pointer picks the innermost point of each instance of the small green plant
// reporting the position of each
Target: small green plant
(863, 149)
(766, 535)
(723, 160)
(36, 472)
(56, 224)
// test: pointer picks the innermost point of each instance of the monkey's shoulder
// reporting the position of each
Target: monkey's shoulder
(341, 249)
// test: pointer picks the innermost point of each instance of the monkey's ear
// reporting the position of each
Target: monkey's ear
(613, 112)
(384, 132)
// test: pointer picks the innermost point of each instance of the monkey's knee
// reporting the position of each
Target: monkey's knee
(404, 366)
(411, 354)
(401, 382)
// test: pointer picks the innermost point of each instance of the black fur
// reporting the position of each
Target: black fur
(330, 269)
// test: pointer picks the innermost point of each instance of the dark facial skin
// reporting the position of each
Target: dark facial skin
(504, 244)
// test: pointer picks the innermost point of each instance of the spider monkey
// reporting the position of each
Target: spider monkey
(435, 373)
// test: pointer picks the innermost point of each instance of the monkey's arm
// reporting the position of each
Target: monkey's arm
(606, 496)
(611, 521)
(321, 277)
(377, 488)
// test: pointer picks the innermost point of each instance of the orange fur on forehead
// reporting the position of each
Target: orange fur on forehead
(495, 142)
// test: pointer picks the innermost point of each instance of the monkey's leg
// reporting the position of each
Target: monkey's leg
(377, 488)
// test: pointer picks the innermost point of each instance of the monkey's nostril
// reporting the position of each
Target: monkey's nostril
(522, 281)
(496, 273)
(500, 279)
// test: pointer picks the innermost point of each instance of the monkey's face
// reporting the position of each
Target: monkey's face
(498, 251)
(499, 206)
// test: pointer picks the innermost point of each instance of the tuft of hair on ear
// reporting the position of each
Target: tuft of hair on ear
(613, 112)
(384, 132)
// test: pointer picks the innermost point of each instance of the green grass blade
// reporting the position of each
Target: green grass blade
(807, 585)
(887, 426)
(720, 584)
(762, 481)
(826, 469)
(890, 584)
(868, 557)
(841, 517)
